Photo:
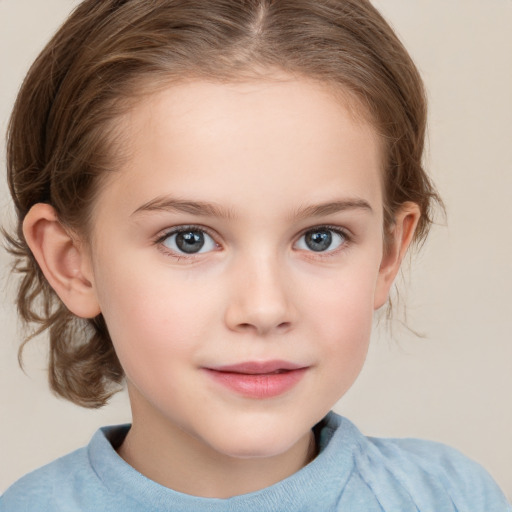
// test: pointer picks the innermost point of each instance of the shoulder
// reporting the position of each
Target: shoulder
(432, 470)
(69, 483)
(410, 474)
(40, 486)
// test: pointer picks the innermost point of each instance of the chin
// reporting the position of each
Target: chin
(256, 443)
(253, 452)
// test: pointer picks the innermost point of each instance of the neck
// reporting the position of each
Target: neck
(175, 459)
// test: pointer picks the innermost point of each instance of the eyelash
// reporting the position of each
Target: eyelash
(343, 233)
(181, 229)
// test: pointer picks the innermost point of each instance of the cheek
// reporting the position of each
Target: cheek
(345, 298)
(150, 317)
(342, 316)
(340, 323)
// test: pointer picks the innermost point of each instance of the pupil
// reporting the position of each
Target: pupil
(318, 240)
(190, 241)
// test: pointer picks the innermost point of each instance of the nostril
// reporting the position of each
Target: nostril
(283, 326)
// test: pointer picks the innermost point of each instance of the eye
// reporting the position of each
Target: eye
(322, 239)
(188, 240)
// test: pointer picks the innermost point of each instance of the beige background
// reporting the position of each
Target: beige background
(455, 384)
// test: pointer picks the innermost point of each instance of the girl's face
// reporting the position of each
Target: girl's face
(237, 257)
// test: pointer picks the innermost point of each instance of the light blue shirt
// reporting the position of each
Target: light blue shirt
(351, 473)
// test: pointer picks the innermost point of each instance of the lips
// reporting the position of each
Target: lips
(255, 379)
(259, 367)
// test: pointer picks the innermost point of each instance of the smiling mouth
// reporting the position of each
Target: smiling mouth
(258, 379)
(259, 367)
(264, 373)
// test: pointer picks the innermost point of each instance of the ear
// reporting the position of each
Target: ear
(398, 241)
(63, 260)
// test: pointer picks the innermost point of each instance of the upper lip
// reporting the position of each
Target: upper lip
(258, 367)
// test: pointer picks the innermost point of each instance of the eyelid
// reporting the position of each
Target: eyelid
(336, 228)
(342, 231)
(180, 228)
(166, 233)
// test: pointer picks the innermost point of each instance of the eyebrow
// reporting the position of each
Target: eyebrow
(206, 209)
(200, 208)
(331, 207)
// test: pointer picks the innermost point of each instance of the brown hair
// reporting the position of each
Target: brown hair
(62, 132)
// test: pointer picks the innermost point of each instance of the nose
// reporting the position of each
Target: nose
(260, 298)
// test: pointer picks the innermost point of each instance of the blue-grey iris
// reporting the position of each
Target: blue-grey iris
(190, 241)
(319, 240)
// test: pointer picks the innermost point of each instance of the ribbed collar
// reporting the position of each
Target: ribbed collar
(324, 477)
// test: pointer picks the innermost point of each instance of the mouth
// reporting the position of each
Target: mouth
(255, 379)
(259, 367)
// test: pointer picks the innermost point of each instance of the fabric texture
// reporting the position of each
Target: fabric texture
(351, 473)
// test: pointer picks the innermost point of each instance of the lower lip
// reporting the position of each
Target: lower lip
(267, 385)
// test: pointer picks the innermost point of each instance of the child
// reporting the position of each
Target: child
(213, 198)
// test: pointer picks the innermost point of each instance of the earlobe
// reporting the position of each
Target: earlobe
(62, 259)
(400, 238)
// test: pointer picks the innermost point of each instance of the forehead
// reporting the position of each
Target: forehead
(233, 142)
